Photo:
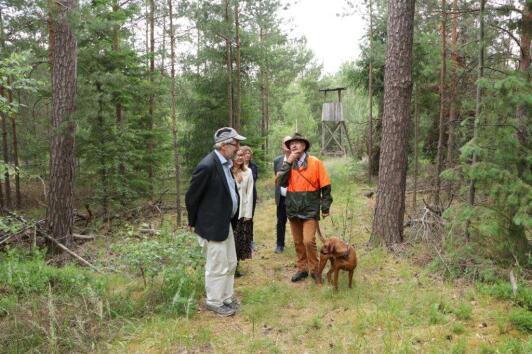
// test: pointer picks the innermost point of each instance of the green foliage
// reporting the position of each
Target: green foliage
(458, 328)
(463, 311)
(26, 274)
(10, 225)
(503, 290)
(460, 347)
(437, 313)
(522, 319)
(502, 175)
(171, 268)
(14, 76)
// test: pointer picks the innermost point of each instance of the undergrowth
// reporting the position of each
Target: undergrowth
(70, 309)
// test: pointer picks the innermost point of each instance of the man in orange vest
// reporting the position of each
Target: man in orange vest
(308, 190)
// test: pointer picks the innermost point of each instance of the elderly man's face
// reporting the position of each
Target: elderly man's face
(297, 146)
(229, 150)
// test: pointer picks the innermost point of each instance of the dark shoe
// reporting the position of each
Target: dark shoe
(238, 274)
(223, 310)
(279, 249)
(299, 276)
(233, 305)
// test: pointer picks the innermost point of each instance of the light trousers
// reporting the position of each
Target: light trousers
(220, 266)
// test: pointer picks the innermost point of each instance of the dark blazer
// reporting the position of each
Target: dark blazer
(277, 163)
(208, 200)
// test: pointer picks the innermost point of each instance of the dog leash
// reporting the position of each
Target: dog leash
(322, 239)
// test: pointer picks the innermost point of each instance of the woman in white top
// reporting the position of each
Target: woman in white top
(242, 229)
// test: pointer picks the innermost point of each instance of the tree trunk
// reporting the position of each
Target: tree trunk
(229, 67)
(416, 148)
(471, 195)
(152, 97)
(174, 119)
(61, 183)
(15, 150)
(390, 207)
(119, 112)
(518, 232)
(523, 119)
(370, 93)
(163, 49)
(453, 95)
(103, 163)
(263, 93)
(238, 69)
(51, 34)
(441, 125)
(5, 151)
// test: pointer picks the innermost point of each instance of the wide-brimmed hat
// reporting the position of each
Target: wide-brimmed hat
(298, 137)
(226, 133)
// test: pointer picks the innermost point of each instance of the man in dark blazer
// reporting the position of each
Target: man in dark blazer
(212, 201)
(280, 194)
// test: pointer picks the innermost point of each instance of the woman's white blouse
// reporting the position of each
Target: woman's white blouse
(245, 190)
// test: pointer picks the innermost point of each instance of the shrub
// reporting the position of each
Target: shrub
(174, 265)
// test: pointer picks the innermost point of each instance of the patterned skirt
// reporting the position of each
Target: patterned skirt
(242, 231)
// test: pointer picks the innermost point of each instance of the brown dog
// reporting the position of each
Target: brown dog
(341, 255)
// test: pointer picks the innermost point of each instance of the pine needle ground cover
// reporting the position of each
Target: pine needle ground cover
(394, 305)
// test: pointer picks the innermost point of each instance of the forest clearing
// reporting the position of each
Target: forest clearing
(133, 133)
(399, 303)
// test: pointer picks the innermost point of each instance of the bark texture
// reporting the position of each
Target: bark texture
(64, 72)
(390, 207)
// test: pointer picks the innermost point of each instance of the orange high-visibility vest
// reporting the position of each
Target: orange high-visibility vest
(309, 179)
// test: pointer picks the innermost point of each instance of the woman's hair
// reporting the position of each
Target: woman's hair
(243, 166)
(246, 148)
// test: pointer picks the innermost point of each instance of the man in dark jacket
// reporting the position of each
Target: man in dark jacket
(212, 201)
(280, 196)
(308, 191)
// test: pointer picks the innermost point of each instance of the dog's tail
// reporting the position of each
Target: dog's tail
(319, 233)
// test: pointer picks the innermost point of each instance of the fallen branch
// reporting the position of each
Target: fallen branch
(7, 238)
(64, 248)
(83, 237)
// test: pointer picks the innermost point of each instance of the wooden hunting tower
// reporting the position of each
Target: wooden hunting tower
(334, 136)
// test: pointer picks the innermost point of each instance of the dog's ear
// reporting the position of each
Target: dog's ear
(330, 247)
(340, 248)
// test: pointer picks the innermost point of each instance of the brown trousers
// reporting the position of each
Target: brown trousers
(304, 234)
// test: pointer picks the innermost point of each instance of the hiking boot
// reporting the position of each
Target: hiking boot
(223, 310)
(299, 276)
(233, 305)
(279, 249)
(238, 274)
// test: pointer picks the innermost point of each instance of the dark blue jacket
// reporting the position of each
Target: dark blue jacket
(208, 200)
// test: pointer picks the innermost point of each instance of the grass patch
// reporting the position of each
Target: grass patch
(521, 319)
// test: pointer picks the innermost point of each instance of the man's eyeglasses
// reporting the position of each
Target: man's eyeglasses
(234, 144)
